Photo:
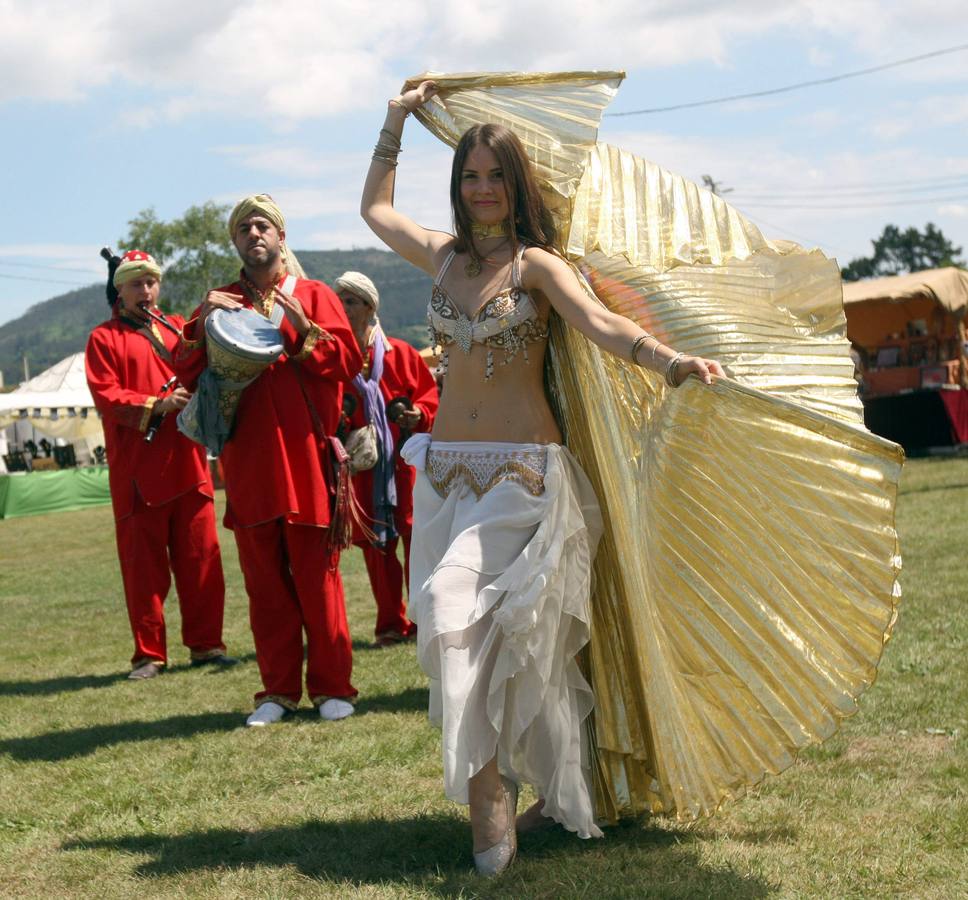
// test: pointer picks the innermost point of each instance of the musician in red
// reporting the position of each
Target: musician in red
(277, 468)
(161, 488)
(397, 393)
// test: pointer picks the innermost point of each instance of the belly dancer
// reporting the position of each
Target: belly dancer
(505, 521)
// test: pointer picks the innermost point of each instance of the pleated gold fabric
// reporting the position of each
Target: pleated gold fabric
(747, 580)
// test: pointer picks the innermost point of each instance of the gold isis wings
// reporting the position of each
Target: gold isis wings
(747, 580)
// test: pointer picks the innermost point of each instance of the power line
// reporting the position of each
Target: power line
(44, 280)
(858, 192)
(793, 87)
(782, 228)
(30, 265)
(919, 201)
(940, 180)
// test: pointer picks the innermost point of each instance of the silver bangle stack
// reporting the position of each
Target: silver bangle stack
(672, 370)
(387, 148)
(639, 341)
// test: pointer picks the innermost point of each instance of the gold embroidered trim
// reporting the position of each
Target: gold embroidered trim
(481, 471)
(318, 701)
(313, 337)
(187, 343)
(146, 415)
(141, 660)
(278, 698)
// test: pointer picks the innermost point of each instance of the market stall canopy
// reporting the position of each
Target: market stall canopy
(57, 402)
(949, 286)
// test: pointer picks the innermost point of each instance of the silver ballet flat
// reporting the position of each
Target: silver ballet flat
(496, 859)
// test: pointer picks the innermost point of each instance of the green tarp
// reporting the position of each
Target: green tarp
(33, 493)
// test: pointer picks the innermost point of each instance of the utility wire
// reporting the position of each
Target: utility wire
(809, 242)
(941, 180)
(30, 265)
(792, 87)
(822, 193)
(918, 201)
(45, 280)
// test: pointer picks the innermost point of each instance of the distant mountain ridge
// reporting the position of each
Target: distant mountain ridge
(55, 328)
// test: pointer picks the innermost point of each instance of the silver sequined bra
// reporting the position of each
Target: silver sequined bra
(480, 470)
(508, 321)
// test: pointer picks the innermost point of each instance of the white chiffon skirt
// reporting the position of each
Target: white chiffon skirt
(500, 579)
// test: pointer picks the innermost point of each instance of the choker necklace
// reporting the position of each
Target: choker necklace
(498, 229)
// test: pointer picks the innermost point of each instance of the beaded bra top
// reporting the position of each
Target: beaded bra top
(509, 321)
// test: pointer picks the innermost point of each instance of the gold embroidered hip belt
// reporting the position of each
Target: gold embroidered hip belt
(479, 466)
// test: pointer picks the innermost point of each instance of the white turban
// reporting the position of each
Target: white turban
(360, 286)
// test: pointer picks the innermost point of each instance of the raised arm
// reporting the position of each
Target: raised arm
(552, 276)
(400, 233)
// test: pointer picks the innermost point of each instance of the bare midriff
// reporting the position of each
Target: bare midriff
(510, 407)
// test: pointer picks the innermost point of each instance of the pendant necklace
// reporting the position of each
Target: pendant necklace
(472, 267)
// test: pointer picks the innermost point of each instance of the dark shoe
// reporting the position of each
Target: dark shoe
(221, 661)
(390, 638)
(148, 669)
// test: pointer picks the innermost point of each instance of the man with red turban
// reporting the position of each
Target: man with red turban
(161, 488)
(397, 394)
(278, 469)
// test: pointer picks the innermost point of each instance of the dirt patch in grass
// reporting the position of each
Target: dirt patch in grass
(921, 746)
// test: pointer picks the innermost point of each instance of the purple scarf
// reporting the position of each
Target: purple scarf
(375, 413)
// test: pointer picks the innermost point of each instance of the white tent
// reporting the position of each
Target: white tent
(57, 403)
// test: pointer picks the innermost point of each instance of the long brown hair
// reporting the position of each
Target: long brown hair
(531, 220)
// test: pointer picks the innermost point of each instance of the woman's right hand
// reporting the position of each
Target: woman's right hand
(414, 98)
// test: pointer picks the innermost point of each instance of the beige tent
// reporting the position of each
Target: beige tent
(57, 402)
(948, 287)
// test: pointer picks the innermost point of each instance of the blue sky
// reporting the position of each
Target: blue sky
(111, 107)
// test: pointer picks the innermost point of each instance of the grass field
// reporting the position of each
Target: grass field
(111, 788)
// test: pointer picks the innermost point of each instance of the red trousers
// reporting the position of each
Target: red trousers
(293, 589)
(176, 537)
(386, 581)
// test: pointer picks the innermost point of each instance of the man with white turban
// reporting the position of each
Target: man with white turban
(395, 392)
(278, 472)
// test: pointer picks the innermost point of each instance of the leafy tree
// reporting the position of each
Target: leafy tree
(897, 251)
(194, 251)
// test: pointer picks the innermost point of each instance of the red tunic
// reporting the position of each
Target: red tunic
(161, 492)
(274, 465)
(125, 374)
(405, 374)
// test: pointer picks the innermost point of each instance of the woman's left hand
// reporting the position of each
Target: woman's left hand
(294, 311)
(696, 365)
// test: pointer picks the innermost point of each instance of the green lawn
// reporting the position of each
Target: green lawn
(111, 788)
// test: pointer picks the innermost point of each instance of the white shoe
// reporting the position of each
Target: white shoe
(334, 709)
(266, 714)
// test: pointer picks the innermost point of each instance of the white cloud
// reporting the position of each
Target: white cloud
(294, 162)
(956, 210)
(299, 59)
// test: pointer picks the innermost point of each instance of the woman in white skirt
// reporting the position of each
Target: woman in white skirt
(505, 521)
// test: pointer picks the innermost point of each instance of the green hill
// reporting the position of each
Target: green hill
(55, 328)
